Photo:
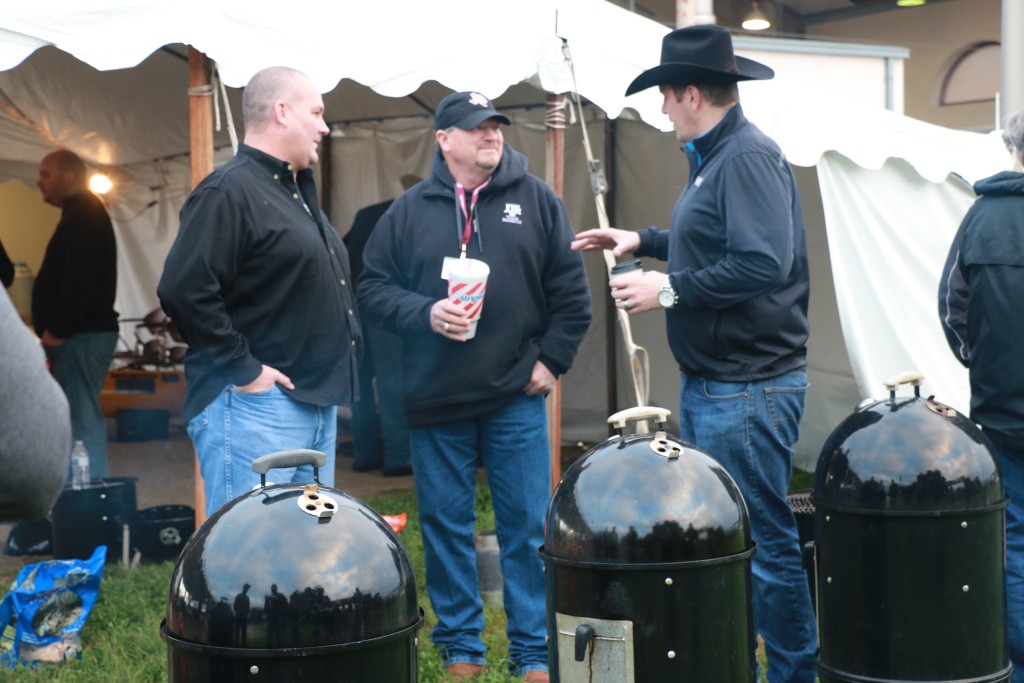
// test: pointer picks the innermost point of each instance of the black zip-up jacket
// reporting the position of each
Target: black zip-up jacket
(537, 304)
(979, 304)
(6, 268)
(75, 288)
(255, 278)
(737, 258)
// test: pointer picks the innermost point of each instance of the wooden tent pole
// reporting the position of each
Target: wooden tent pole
(200, 110)
(554, 161)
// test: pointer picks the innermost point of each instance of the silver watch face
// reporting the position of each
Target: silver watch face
(666, 298)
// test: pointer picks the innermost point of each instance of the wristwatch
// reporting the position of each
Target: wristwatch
(667, 296)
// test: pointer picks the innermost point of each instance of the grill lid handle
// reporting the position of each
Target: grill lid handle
(909, 377)
(619, 419)
(283, 459)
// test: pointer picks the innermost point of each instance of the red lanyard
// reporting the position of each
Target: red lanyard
(460, 192)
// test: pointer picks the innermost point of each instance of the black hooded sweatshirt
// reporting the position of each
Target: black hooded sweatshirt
(537, 303)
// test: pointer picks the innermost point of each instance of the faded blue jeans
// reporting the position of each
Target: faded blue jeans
(236, 428)
(511, 443)
(750, 429)
(80, 365)
(1011, 466)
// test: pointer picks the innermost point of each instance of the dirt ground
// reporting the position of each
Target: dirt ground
(165, 475)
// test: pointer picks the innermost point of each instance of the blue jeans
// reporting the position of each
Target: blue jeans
(1011, 466)
(236, 428)
(387, 364)
(750, 429)
(80, 365)
(366, 445)
(511, 442)
(378, 423)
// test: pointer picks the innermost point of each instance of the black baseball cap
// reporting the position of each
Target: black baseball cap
(465, 110)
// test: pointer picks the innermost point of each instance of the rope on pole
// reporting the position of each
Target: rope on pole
(639, 361)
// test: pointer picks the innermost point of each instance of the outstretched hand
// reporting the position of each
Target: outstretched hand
(619, 241)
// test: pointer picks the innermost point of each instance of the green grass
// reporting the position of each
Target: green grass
(121, 640)
(802, 480)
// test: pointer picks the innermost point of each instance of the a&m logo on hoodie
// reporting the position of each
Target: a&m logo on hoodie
(513, 213)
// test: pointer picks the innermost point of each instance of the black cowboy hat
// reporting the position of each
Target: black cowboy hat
(699, 54)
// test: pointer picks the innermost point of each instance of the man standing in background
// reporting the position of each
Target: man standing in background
(73, 299)
(380, 435)
(6, 268)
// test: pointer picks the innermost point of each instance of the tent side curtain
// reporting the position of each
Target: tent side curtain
(889, 231)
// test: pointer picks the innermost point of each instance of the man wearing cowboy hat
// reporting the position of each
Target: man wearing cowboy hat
(735, 299)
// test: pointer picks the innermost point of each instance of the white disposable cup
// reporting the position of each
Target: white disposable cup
(467, 282)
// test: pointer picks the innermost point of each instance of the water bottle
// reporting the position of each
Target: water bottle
(79, 466)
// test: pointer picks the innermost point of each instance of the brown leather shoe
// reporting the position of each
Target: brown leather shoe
(461, 670)
(536, 677)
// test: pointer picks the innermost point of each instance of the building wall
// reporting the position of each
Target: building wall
(936, 35)
(845, 76)
(26, 223)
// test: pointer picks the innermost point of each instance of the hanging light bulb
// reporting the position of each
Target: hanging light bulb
(756, 19)
(99, 183)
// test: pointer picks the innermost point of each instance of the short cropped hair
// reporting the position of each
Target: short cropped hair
(68, 162)
(1013, 132)
(717, 94)
(266, 87)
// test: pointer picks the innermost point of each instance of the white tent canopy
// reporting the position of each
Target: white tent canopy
(879, 191)
(462, 44)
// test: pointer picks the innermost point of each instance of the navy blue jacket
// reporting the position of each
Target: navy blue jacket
(979, 304)
(537, 304)
(737, 257)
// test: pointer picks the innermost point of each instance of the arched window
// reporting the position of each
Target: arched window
(973, 76)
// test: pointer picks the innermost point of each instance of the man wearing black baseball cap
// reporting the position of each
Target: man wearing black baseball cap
(466, 111)
(472, 399)
(735, 301)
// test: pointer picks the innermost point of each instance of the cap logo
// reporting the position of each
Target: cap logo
(478, 99)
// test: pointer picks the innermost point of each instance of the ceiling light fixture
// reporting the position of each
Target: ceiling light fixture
(756, 19)
(100, 183)
(909, 3)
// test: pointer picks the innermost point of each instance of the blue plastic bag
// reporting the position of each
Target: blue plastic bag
(43, 615)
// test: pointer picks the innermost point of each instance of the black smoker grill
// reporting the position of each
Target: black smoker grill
(647, 557)
(95, 515)
(910, 558)
(292, 583)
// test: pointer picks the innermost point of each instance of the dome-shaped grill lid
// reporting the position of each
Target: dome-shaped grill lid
(641, 499)
(907, 455)
(263, 572)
